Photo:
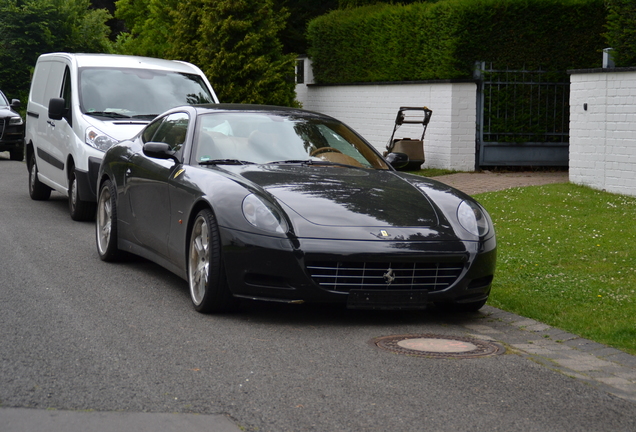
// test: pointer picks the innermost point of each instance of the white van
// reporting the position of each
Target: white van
(82, 104)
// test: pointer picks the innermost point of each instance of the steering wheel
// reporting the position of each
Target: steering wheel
(323, 150)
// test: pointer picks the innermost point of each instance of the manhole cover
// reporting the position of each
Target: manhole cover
(438, 346)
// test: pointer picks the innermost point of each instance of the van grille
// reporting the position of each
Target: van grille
(345, 276)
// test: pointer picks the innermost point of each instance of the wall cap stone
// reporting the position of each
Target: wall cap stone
(601, 70)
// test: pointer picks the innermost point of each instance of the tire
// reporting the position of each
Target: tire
(106, 223)
(16, 154)
(209, 290)
(79, 210)
(37, 190)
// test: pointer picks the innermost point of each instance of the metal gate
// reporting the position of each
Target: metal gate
(522, 117)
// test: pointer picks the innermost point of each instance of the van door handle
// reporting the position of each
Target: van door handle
(51, 123)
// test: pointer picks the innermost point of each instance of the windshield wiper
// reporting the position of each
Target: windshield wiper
(145, 116)
(109, 114)
(225, 162)
(315, 162)
(293, 162)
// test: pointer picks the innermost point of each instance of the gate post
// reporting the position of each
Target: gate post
(480, 66)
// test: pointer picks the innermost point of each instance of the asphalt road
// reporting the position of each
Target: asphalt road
(81, 334)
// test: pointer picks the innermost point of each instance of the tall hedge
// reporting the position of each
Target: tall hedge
(621, 31)
(443, 40)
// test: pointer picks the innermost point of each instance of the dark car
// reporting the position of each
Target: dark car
(286, 205)
(11, 128)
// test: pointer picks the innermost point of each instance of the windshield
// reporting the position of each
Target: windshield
(280, 138)
(138, 93)
(3, 100)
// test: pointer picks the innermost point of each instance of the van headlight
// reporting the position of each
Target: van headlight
(472, 217)
(263, 215)
(98, 139)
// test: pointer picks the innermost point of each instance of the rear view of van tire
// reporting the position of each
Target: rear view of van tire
(80, 210)
(37, 190)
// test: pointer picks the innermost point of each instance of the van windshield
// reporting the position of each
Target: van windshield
(138, 93)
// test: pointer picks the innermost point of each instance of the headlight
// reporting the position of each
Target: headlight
(472, 218)
(99, 140)
(263, 215)
(15, 121)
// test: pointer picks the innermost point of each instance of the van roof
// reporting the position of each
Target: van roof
(122, 61)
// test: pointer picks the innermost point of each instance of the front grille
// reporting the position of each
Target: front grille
(345, 276)
(1, 128)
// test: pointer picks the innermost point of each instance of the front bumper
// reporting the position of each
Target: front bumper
(10, 142)
(327, 271)
(87, 180)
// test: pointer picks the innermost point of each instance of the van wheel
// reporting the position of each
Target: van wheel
(80, 210)
(37, 190)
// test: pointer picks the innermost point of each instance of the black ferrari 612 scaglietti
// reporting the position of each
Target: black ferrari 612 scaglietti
(286, 205)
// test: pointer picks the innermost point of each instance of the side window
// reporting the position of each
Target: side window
(67, 94)
(172, 130)
(150, 130)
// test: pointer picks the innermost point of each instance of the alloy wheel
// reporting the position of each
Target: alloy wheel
(199, 265)
(104, 220)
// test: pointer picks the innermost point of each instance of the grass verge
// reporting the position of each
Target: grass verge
(432, 172)
(567, 258)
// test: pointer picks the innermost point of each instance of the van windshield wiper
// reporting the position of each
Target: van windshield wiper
(225, 162)
(145, 116)
(109, 114)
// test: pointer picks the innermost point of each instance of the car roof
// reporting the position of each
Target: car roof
(123, 61)
(228, 107)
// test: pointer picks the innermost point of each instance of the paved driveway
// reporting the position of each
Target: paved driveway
(87, 345)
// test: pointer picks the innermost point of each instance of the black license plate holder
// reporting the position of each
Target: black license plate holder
(387, 299)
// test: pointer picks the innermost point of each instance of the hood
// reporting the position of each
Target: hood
(120, 129)
(345, 197)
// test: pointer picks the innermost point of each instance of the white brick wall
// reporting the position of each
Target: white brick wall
(371, 110)
(603, 137)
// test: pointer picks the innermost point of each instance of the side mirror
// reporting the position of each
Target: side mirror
(397, 160)
(160, 150)
(57, 108)
(15, 103)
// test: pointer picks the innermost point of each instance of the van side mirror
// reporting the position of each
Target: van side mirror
(15, 103)
(57, 108)
(397, 160)
(160, 150)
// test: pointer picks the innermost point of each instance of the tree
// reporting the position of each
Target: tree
(621, 31)
(149, 24)
(116, 25)
(29, 28)
(235, 42)
(300, 13)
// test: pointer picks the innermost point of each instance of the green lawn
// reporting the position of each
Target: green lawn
(567, 258)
